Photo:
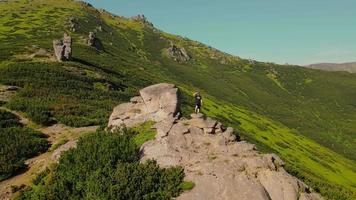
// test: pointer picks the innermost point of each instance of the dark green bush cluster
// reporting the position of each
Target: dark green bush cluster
(106, 166)
(51, 92)
(17, 143)
(8, 120)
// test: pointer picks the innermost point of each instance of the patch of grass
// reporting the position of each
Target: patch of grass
(324, 170)
(187, 185)
(144, 133)
(58, 144)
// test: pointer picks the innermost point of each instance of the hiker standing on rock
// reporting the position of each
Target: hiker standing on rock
(198, 102)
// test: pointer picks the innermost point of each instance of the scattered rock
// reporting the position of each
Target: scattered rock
(63, 48)
(178, 53)
(71, 24)
(95, 42)
(99, 28)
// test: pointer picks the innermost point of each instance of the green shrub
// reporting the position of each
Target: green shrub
(17, 144)
(143, 133)
(8, 120)
(106, 166)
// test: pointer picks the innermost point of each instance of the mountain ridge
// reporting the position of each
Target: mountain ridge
(349, 66)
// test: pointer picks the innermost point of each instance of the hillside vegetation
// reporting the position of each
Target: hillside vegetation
(106, 166)
(17, 143)
(304, 115)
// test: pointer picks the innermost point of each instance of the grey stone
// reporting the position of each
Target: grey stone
(59, 151)
(208, 130)
(95, 42)
(63, 48)
(156, 103)
(198, 115)
(179, 129)
(179, 54)
(163, 127)
(136, 99)
(195, 130)
(161, 99)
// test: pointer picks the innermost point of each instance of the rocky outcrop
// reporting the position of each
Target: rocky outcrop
(178, 53)
(221, 167)
(156, 103)
(63, 48)
(95, 42)
(142, 19)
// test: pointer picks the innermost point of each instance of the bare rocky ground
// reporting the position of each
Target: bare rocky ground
(221, 167)
(56, 133)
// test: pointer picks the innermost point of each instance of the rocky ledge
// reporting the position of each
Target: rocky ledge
(220, 166)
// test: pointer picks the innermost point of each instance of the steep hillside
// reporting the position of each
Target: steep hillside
(304, 115)
(348, 67)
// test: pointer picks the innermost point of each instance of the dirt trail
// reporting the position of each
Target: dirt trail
(56, 133)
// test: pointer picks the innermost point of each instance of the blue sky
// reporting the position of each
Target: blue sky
(281, 31)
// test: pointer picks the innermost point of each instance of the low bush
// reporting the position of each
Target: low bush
(106, 166)
(16, 145)
(8, 120)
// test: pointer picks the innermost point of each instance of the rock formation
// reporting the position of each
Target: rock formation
(95, 42)
(142, 19)
(178, 53)
(156, 103)
(71, 24)
(63, 48)
(221, 167)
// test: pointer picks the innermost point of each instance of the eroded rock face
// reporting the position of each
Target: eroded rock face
(179, 54)
(221, 167)
(157, 103)
(63, 48)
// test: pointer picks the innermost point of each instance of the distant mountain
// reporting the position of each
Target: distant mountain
(349, 67)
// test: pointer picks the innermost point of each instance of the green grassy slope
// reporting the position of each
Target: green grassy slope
(304, 115)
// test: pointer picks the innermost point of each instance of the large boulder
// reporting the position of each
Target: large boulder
(160, 100)
(156, 103)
